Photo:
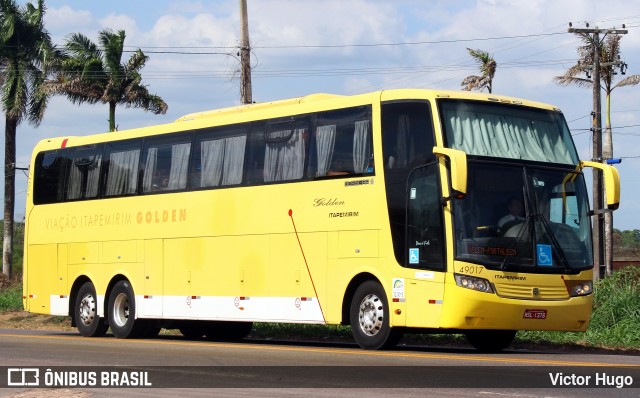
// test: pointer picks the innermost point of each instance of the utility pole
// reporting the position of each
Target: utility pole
(245, 61)
(603, 220)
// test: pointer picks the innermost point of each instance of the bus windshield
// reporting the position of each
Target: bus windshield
(507, 131)
(523, 218)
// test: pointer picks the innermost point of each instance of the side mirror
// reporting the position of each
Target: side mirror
(458, 174)
(611, 182)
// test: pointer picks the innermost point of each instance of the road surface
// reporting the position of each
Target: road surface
(173, 366)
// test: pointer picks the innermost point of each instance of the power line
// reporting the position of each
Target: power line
(169, 49)
(409, 43)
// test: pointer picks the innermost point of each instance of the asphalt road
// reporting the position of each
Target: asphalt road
(173, 366)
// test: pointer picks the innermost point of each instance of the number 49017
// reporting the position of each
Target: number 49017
(470, 269)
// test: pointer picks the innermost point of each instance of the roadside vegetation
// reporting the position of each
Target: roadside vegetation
(615, 320)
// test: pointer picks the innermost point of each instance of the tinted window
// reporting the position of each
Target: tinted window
(342, 143)
(166, 164)
(122, 168)
(83, 180)
(218, 158)
(407, 143)
(49, 177)
(285, 150)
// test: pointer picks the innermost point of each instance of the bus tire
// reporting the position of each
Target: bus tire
(86, 312)
(122, 312)
(369, 318)
(490, 340)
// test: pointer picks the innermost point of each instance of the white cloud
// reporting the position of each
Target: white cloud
(60, 22)
(117, 22)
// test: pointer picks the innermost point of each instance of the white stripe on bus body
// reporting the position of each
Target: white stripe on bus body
(230, 308)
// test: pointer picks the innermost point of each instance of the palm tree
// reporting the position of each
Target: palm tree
(488, 68)
(92, 74)
(609, 50)
(25, 51)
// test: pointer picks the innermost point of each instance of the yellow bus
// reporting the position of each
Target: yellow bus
(394, 211)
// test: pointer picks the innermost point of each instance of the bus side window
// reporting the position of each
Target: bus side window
(122, 168)
(49, 177)
(285, 150)
(254, 174)
(218, 157)
(342, 144)
(166, 164)
(407, 143)
(425, 233)
(83, 178)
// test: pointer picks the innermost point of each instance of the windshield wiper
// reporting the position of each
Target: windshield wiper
(554, 242)
(523, 228)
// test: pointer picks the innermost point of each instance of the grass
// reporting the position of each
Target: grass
(615, 320)
(11, 298)
(614, 323)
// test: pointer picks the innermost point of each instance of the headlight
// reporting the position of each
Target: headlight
(473, 283)
(579, 288)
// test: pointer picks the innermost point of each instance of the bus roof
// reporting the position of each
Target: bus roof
(200, 119)
(383, 95)
(257, 106)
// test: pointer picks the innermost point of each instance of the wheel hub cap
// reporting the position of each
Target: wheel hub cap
(87, 309)
(121, 309)
(371, 315)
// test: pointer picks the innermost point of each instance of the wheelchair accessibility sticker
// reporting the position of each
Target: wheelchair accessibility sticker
(544, 255)
(414, 256)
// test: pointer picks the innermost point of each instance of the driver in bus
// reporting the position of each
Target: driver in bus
(516, 212)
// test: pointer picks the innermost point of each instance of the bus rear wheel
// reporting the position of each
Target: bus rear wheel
(122, 312)
(490, 340)
(86, 312)
(369, 318)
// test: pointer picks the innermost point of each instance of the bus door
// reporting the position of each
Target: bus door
(425, 248)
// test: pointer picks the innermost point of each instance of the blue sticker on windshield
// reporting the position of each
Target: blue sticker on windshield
(414, 256)
(544, 256)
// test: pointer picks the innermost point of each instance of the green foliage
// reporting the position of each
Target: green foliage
(287, 331)
(11, 298)
(616, 316)
(93, 73)
(630, 238)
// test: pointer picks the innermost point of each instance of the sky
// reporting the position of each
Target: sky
(301, 47)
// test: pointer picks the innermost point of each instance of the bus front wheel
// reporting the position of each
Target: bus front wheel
(86, 312)
(122, 312)
(490, 340)
(369, 318)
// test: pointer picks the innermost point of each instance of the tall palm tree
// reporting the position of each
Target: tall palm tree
(91, 73)
(488, 67)
(25, 50)
(609, 54)
(609, 50)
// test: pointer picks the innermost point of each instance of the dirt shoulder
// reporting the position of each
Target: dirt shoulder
(25, 320)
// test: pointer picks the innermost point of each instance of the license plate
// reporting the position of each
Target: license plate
(535, 314)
